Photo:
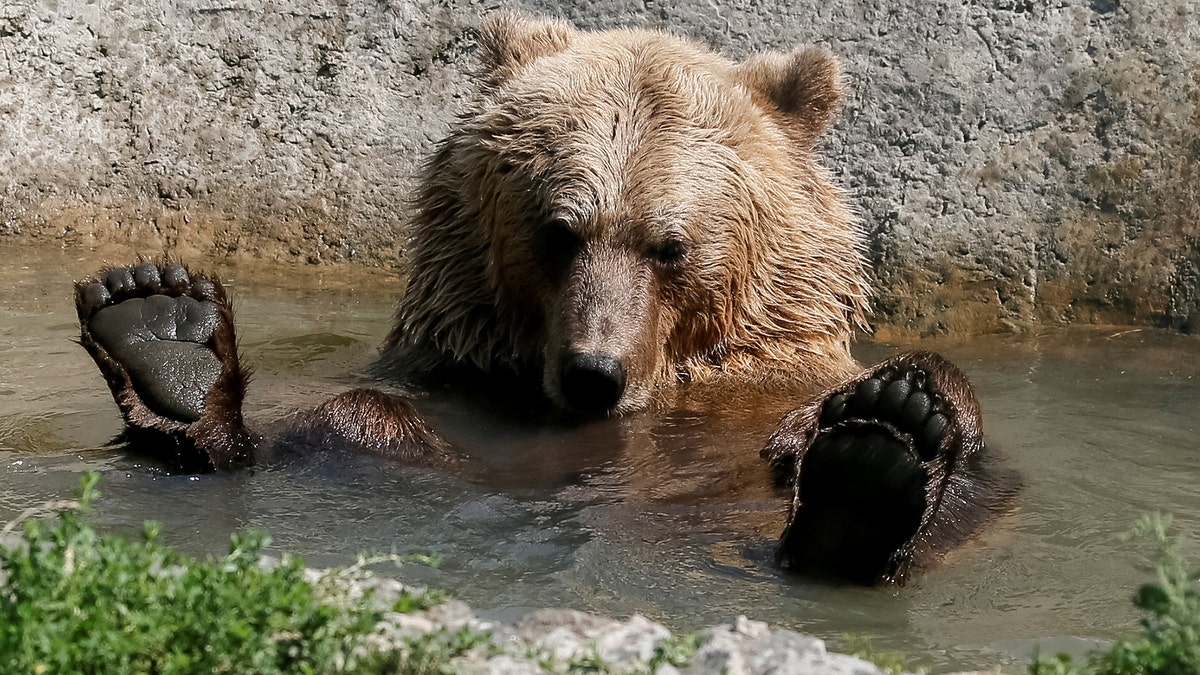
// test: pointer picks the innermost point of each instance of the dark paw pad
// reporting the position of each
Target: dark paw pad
(871, 472)
(163, 344)
(861, 497)
(157, 325)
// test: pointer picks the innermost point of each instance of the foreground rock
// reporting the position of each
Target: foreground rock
(557, 640)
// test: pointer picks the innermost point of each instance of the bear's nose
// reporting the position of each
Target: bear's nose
(592, 382)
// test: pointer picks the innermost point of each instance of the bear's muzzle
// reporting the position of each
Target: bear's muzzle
(592, 383)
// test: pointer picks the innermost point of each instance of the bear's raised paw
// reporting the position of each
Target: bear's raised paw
(163, 337)
(885, 470)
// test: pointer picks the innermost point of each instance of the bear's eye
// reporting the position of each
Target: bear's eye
(557, 241)
(669, 253)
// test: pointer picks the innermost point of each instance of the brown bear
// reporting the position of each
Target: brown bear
(619, 215)
(626, 210)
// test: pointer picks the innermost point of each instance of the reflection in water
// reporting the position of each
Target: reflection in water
(670, 514)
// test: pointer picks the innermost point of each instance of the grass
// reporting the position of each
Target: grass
(1169, 639)
(74, 601)
(890, 662)
(675, 651)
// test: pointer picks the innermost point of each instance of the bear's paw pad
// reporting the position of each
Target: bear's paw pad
(864, 484)
(157, 323)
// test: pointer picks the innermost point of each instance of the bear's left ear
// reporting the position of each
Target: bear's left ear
(804, 86)
(509, 41)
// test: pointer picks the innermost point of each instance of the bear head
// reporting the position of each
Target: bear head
(623, 210)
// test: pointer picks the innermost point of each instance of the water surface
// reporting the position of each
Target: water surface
(668, 514)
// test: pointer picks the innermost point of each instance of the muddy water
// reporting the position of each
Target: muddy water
(669, 515)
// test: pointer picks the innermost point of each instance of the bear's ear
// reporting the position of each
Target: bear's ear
(804, 86)
(509, 41)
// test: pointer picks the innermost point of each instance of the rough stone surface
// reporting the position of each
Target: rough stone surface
(1015, 161)
(555, 640)
(746, 647)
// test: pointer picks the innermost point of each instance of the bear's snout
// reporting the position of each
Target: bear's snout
(592, 382)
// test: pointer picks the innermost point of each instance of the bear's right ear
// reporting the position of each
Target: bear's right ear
(509, 41)
(804, 85)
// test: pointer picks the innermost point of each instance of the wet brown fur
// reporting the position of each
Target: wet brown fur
(372, 422)
(627, 141)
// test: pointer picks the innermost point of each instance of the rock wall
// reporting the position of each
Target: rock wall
(1015, 161)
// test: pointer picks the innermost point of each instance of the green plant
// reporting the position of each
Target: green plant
(75, 601)
(1059, 664)
(429, 654)
(588, 663)
(675, 650)
(1169, 643)
(888, 661)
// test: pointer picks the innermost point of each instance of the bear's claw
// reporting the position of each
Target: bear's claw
(872, 463)
(164, 340)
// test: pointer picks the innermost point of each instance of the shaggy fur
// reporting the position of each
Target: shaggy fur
(632, 193)
(368, 421)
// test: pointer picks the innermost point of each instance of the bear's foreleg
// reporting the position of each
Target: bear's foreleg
(888, 470)
(369, 422)
(163, 338)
